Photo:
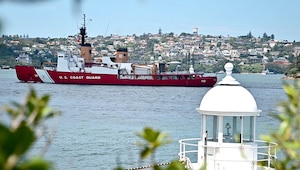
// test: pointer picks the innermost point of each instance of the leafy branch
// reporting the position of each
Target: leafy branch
(288, 135)
(17, 138)
(152, 140)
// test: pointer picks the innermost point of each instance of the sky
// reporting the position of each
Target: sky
(61, 18)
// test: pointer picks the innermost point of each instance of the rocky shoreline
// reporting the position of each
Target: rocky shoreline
(291, 78)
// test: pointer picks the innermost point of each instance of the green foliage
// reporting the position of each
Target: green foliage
(277, 68)
(294, 67)
(288, 135)
(6, 51)
(152, 140)
(265, 37)
(219, 66)
(252, 68)
(175, 165)
(17, 138)
(292, 72)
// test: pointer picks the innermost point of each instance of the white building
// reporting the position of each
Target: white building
(24, 58)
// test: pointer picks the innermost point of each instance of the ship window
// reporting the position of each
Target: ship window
(164, 77)
(173, 77)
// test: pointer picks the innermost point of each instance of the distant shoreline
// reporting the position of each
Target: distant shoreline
(290, 78)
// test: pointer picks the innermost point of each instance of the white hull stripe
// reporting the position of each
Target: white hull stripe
(44, 76)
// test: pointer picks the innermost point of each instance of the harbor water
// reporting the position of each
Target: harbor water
(98, 125)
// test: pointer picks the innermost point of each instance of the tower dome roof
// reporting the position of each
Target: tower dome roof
(228, 98)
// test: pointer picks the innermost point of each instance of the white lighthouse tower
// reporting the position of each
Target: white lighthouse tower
(228, 122)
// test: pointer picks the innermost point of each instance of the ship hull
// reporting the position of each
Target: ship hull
(30, 74)
(27, 74)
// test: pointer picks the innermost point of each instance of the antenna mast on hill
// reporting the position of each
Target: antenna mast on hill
(106, 29)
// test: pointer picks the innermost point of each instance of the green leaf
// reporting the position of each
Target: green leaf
(146, 152)
(6, 143)
(24, 138)
(176, 165)
(16, 140)
(36, 164)
(149, 134)
(288, 135)
(153, 139)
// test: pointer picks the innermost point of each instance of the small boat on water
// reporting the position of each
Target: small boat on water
(265, 72)
(5, 67)
(116, 70)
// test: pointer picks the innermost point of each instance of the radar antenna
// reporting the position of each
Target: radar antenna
(83, 31)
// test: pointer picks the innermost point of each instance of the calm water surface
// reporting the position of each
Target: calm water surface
(98, 127)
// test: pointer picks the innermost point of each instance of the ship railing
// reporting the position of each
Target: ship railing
(266, 151)
(182, 72)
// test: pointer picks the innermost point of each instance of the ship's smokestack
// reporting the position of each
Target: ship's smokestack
(122, 55)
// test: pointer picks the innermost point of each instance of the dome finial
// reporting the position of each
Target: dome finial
(228, 68)
(228, 79)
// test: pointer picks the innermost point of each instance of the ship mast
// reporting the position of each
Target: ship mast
(83, 31)
(85, 48)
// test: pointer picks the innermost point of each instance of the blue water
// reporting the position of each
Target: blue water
(98, 127)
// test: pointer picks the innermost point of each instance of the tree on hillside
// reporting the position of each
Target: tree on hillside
(276, 68)
(6, 51)
(294, 68)
(272, 36)
(160, 31)
(185, 34)
(150, 44)
(265, 37)
(249, 35)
